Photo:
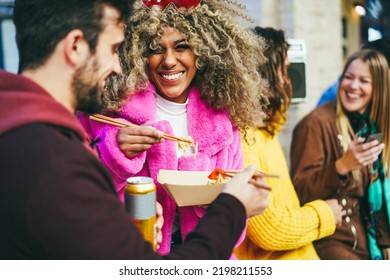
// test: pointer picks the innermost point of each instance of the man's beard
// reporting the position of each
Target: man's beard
(86, 88)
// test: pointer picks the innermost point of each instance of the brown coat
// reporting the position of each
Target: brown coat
(314, 150)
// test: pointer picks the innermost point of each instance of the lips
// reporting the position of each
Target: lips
(171, 77)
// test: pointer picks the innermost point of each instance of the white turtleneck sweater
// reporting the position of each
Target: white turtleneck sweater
(176, 114)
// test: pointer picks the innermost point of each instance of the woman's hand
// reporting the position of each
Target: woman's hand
(358, 155)
(337, 211)
(134, 140)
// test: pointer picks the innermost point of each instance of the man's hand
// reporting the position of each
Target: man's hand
(159, 223)
(251, 195)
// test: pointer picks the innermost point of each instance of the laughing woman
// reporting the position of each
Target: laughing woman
(330, 158)
(191, 70)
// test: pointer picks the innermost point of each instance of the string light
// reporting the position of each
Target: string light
(360, 10)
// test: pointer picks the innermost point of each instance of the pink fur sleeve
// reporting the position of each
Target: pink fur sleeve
(120, 166)
(238, 155)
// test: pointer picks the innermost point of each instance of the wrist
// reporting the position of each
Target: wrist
(341, 169)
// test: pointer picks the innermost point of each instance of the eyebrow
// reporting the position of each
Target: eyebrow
(351, 73)
(181, 41)
(178, 41)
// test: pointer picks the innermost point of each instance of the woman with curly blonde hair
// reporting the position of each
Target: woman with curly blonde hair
(189, 68)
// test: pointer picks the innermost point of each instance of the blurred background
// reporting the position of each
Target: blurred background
(322, 34)
(8, 52)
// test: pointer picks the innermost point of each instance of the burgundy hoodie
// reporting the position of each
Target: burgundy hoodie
(22, 102)
(57, 200)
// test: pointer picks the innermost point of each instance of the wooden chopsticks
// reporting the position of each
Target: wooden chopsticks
(108, 120)
(119, 123)
(258, 173)
(252, 181)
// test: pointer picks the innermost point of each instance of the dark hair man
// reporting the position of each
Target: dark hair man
(57, 200)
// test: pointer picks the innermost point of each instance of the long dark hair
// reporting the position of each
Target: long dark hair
(280, 90)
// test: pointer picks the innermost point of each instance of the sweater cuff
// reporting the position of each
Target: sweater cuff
(326, 223)
(236, 209)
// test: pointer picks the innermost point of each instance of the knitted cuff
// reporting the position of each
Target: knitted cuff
(327, 225)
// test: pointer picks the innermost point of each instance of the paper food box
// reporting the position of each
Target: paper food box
(189, 188)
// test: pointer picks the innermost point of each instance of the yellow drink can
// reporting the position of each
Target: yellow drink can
(140, 202)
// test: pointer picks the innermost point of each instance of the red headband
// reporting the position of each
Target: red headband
(178, 3)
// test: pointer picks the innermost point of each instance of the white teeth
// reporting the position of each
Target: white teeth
(172, 77)
(353, 95)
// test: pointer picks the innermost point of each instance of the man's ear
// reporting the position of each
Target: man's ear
(76, 48)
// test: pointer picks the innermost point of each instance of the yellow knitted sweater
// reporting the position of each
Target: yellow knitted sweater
(285, 230)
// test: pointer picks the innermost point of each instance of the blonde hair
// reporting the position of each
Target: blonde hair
(379, 107)
(227, 56)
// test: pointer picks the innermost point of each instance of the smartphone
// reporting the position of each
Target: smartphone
(376, 136)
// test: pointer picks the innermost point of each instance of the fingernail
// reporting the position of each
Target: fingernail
(251, 167)
(160, 133)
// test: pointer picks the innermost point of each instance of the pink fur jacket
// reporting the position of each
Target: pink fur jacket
(219, 146)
